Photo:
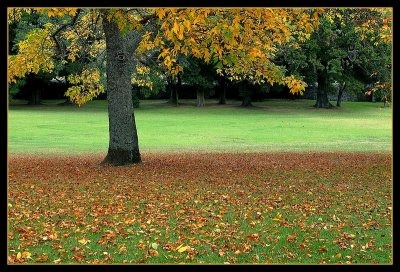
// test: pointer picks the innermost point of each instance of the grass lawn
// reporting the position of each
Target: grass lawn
(271, 194)
(274, 125)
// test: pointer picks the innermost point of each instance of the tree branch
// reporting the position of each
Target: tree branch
(53, 36)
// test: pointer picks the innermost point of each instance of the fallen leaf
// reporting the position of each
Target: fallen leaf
(154, 245)
(183, 249)
(153, 252)
(83, 241)
(42, 258)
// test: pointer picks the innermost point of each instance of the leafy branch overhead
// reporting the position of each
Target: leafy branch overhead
(240, 42)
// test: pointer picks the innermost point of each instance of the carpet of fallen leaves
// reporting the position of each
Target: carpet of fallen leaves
(202, 208)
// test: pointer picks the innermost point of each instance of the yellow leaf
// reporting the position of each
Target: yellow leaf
(183, 249)
(83, 241)
(161, 13)
(179, 247)
(175, 28)
(181, 30)
(27, 255)
(19, 255)
(276, 219)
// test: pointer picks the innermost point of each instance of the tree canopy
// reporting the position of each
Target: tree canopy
(241, 42)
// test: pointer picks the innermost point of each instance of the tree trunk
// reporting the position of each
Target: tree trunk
(246, 102)
(172, 88)
(384, 99)
(123, 141)
(322, 92)
(35, 96)
(177, 89)
(200, 98)
(341, 90)
(222, 96)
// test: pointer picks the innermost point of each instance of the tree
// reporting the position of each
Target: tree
(200, 76)
(346, 42)
(243, 41)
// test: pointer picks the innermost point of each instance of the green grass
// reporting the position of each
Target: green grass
(275, 125)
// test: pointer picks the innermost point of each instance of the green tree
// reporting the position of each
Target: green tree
(199, 75)
(350, 47)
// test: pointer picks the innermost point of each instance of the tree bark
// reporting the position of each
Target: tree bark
(123, 139)
(200, 98)
(322, 92)
(341, 90)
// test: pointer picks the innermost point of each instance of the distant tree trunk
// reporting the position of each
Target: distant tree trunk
(173, 89)
(222, 89)
(35, 96)
(322, 92)
(385, 100)
(123, 142)
(35, 88)
(200, 97)
(178, 89)
(341, 90)
(246, 102)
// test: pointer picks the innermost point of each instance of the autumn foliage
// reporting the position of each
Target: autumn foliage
(240, 42)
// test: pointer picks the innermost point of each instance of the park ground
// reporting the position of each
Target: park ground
(280, 182)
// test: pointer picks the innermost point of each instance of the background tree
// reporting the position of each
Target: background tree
(200, 76)
(346, 42)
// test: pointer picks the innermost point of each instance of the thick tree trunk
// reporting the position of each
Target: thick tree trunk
(322, 92)
(200, 98)
(339, 99)
(123, 142)
(222, 89)
(246, 102)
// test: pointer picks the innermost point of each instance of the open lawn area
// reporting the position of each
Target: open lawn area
(280, 182)
(275, 125)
